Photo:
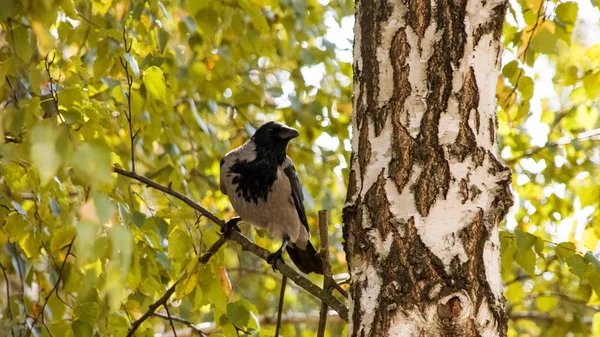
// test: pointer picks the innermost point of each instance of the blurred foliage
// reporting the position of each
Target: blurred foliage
(203, 75)
(85, 251)
(548, 101)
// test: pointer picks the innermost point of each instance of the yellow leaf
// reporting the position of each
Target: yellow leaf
(190, 283)
(224, 280)
(155, 83)
(593, 52)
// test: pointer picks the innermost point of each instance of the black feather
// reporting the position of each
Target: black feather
(307, 260)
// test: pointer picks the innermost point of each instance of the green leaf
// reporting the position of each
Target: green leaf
(105, 208)
(539, 246)
(593, 260)
(238, 314)
(62, 237)
(508, 247)
(103, 65)
(544, 41)
(87, 312)
(82, 329)
(155, 83)
(566, 12)
(511, 71)
(565, 250)
(217, 296)
(92, 160)
(43, 151)
(132, 63)
(524, 241)
(180, 244)
(571, 75)
(118, 324)
(546, 303)
(577, 264)
(21, 40)
(526, 87)
(591, 83)
(122, 248)
(16, 227)
(527, 261)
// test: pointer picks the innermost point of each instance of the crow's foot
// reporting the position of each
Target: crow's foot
(231, 225)
(272, 258)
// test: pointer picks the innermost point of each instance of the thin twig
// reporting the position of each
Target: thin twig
(280, 307)
(20, 272)
(327, 279)
(10, 313)
(212, 250)
(14, 93)
(151, 309)
(248, 246)
(182, 321)
(535, 26)
(170, 319)
(60, 276)
(592, 135)
(128, 113)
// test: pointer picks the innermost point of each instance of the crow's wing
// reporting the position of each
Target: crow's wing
(297, 195)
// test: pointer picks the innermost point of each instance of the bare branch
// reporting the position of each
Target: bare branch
(182, 321)
(248, 246)
(170, 319)
(151, 310)
(592, 136)
(10, 313)
(327, 279)
(60, 276)
(280, 307)
(128, 113)
(212, 250)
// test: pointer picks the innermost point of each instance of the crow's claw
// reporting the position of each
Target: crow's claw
(272, 259)
(231, 225)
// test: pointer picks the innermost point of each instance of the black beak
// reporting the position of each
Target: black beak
(288, 133)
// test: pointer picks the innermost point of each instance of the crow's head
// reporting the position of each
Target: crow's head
(274, 136)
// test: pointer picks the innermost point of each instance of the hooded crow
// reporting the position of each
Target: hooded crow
(263, 187)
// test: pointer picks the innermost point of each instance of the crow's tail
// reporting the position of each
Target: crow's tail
(306, 259)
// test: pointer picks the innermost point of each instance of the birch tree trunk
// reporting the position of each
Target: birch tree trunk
(427, 188)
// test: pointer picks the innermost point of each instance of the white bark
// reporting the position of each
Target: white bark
(427, 190)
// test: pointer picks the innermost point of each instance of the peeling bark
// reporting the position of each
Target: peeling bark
(427, 188)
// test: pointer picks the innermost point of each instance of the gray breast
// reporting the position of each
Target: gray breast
(277, 213)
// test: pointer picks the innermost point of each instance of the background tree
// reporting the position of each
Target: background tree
(191, 79)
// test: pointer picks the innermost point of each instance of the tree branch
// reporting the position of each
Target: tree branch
(212, 250)
(592, 135)
(151, 309)
(128, 113)
(248, 246)
(170, 319)
(327, 279)
(10, 313)
(280, 308)
(182, 321)
(60, 276)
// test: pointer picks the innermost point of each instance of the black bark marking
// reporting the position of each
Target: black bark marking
(364, 149)
(419, 18)
(402, 160)
(378, 206)
(375, 12)
(407, 273)
(466, 142)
